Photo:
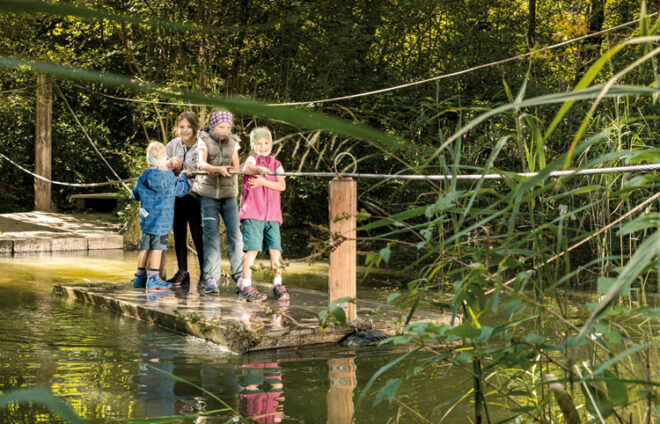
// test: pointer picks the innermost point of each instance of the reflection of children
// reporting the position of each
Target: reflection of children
(156, 189)
(261, 402)
(261, 214)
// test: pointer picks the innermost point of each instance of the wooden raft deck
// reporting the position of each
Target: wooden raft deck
(239, 326)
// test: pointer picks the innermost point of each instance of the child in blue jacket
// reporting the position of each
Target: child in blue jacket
(156, 189)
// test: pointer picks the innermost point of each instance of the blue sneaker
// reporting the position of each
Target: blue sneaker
(140, 281)
(211, 286)
(155, 283)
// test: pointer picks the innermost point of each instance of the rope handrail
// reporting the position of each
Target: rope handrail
(63, 183)
(414, 83)
(590, 171)
(96, 149)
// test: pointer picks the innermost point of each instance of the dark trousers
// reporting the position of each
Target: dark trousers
(187, 211)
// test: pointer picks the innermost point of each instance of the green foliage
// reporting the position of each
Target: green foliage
(335, 312)
(501, 250)
(41, 397)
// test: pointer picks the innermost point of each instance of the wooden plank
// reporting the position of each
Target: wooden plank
(241, 326)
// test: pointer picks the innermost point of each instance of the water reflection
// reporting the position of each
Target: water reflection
(262, 398)
(101, 363)
(341, 373)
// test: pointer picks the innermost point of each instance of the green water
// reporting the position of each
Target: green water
(98, 362)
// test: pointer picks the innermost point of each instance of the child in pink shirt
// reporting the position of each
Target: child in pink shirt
(261, 215)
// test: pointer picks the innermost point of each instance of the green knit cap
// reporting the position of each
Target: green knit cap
(259, 133)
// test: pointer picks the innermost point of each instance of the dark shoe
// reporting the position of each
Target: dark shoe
(181, 277)
(280, 294)
(140, 281)
(250, 294)
(200, 284)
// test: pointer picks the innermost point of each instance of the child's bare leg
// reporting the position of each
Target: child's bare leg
(279, 291)
(154, 259)
(142, 259)
(141, 273)
(163, 265)
(276, 264)
(248, 262)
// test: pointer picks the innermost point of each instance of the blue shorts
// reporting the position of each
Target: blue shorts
(260, 235)
(151, 242)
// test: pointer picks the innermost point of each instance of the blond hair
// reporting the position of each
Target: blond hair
(156, 154)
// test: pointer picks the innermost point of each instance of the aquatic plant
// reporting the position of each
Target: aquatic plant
(502, 253)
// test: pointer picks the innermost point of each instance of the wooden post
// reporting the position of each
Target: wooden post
(342, 274)
(42, 143)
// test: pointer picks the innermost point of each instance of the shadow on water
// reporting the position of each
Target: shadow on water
(99, 362)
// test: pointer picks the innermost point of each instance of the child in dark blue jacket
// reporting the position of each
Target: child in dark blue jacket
(156, 189)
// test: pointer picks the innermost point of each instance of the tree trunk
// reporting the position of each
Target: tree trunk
(42, 143)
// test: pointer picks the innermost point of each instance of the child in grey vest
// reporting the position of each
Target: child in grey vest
(217, 150)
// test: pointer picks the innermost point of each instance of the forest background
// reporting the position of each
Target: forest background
(282, 51)
(473, 240)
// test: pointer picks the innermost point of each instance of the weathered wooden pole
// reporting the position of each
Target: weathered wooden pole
(42, 142)
(342, 274)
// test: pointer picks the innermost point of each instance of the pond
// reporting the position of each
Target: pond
(103, 365)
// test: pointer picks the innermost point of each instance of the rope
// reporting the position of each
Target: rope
(126, 99)
(581, 242)
(119, 179)
(61, 183)
(398, 87)
(593, 171)
(465, 71)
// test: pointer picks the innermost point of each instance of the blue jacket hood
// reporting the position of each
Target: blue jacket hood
(156, 190)
(157, 179)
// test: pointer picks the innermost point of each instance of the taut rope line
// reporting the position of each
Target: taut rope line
(62, 183)
(593, 171)
(119, 179)
(465, 71)
(410, 84)
(581, 242)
